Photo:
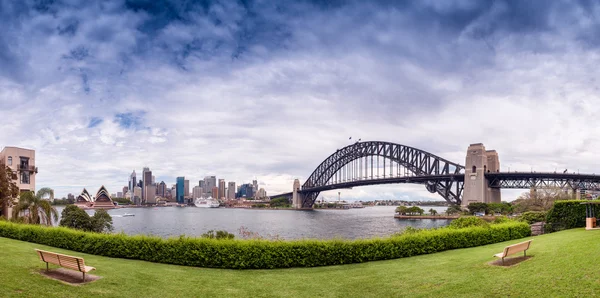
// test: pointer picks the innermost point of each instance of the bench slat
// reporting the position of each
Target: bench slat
(513, 249)
(66, 261)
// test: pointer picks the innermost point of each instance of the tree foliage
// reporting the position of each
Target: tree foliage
(280, 202)
(34, 209)
(76, 218)
(212, 234)
(8, 187)
(540, 200)
(433, 211)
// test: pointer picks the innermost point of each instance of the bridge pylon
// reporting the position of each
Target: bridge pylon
(296, 195)
(476, 187)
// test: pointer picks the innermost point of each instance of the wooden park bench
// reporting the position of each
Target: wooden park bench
(70, 262)
(513, 249)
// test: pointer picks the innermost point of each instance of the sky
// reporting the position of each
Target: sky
(269, 89)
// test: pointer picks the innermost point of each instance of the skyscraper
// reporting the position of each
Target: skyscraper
(147, 181)
(231, 190)
(179, 192)
(215, 190)
(197, 192)
(162, 189)
(186, 189)
(132, 181)
(209, 183)
(221, 193)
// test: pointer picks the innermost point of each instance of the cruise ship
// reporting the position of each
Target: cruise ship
(206, 203)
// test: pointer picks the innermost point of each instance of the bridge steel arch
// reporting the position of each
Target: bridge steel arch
(432, 170)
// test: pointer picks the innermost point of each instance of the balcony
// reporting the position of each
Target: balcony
(28, 168)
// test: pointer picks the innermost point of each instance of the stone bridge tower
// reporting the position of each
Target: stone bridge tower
(478, 162)
(296, 197)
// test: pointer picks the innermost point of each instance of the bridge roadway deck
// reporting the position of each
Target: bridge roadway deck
(521, 180)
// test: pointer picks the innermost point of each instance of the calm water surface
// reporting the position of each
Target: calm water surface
(287, 224)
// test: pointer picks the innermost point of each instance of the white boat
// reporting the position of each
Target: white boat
(206, 203)
(127, 214)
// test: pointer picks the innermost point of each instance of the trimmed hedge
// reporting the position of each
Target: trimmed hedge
(567, 214)
(262, 254)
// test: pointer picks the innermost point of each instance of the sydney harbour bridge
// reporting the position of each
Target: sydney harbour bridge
(479, 180)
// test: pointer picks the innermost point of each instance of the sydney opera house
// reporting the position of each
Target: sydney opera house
(101, 200)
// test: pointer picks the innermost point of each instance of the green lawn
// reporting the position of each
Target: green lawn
(564, 264)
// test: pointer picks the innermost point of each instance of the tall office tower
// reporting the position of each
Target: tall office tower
(137, 195)
(132, 181)
(197, 192)
(153, 178)
(214, 192)
(202, 186)
(221, 194)
(254, 187)
(231, 190)
(147, 181)
(151, 190)
(186, 189)
(119, 194)
(71, 197)
(125, 189)
(209, 183)
(179, 195)
(162, 189)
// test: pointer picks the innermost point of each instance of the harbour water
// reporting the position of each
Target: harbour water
(283, 224)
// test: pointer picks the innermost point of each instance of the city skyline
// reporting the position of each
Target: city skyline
(270, 90)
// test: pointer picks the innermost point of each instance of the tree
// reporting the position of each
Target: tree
(8, 187)
(34, 209)
(477, 207)
(76, 218)
(454, 209)
(432, 212)
(540, 200)
(101, 221)
(402, 210)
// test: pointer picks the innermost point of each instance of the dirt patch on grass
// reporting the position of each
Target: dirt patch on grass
(509, 261)
(69, 276)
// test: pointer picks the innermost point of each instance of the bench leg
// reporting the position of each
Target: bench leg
(525, 253)
(502, 261)
(47, 267)
(84, 277)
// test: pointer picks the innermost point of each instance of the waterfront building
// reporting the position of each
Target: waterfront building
(22, 162)
(151, 198)
(231, 190)
(137, 195)
(197, 192)
(209, 183)
(221, 194)
(125, 190)
(161, 190)
(214, 192)
(146, 180)
(245, 191)
(103, 199)
(128, 195)
(71, 197)
(119, 194)
(179, 194)
(186, 189)
(261, 194)
(254, 187)
(132, 181)
(84, 199)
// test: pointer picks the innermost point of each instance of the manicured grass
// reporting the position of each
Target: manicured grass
(564, 264)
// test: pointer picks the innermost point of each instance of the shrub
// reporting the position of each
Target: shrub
(468, 221)
(502, 219)
(262, 254)
(567, 215)
(533, 216)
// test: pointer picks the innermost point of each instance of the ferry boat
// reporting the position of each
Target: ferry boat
(206, 203)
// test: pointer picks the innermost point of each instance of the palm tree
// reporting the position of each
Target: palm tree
(432, 212)
(34, 209)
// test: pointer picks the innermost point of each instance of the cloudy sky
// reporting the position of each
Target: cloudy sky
(269, 89)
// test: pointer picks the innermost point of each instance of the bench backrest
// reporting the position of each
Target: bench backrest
(66, 261)
(515, 248)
